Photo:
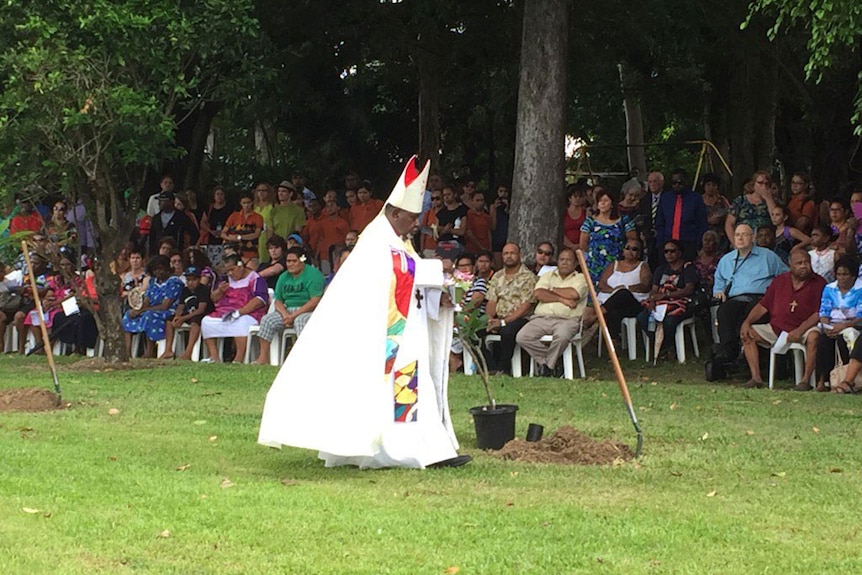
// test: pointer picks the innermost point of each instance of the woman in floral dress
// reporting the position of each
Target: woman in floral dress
(603, 235)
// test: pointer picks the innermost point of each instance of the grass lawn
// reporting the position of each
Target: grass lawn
(731, 481)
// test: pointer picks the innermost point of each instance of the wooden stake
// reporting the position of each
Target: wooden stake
(609, 343)
(46, 341)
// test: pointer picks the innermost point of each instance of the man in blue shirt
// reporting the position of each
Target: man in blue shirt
(741, 278)
(681, 216)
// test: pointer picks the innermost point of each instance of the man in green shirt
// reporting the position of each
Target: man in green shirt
(286, 217)
(297, 293)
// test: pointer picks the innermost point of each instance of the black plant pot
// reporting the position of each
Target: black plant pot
(494, 427)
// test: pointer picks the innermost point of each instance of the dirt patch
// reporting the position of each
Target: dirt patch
(101, 364)
(29, 399)
(568, 446)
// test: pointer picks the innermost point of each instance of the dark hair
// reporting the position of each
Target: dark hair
(246, 195)
(577, 189)
(540, 244)
(606, 192)
(710, 177)
(823, 228)
(169, 240)
(198, 258)
(277, 241)
(485, 253)
(681, 173)
(674, 243)
(848, 262)
(158, 261)
(234, 259)
(295, 250)
(466, 256)
(768, 227)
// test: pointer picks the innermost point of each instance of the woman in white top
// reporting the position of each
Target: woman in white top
(623, 286)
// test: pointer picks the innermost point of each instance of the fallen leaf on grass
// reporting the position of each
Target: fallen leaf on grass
(676, 473)
(778, 473)
(194, 380)
(749, 432)
(184, 466)
(199, 421)
(514, 474)
(227, 483)
(164, 534)
(815, 429)
(705, 436)
(213, 437)
(673, 405)
(112, 458)
(835, 470)
(289, 482)
(30, 510)
(712, 493)
(510, 504)
(113, 411)
(776, 402)
(452, 570)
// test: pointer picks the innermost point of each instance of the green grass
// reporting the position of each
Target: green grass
(731, 481)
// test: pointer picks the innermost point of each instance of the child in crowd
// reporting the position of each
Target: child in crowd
(822, 254)
(194, 303)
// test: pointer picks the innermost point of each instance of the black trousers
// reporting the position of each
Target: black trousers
(499, 357)
(826, 354)
(730, 316)
(618, 307)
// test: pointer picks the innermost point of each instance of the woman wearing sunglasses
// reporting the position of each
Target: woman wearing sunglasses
(623, 285)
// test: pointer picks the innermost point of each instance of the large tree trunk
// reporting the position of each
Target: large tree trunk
(634, 120)
(539, 177)
(113, 227)
(196, 146)
(429, 62)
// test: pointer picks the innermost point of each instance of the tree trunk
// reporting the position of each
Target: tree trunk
(430, 66)
(112, 225)
(539, 175)
(196, 146)
(634, 120)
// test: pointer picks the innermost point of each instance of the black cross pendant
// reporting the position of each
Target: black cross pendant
(419, 298)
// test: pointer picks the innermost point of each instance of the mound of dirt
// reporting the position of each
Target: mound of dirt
(566, 446)
(29, 399)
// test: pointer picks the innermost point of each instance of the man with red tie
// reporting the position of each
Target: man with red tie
(681, 216)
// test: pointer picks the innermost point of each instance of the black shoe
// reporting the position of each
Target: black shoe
(457, 461)
(544, 371)
(557, 372)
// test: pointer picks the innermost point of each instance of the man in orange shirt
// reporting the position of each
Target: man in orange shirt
(244, 227)
(428, 228)
(328, 230)
(478, 232)
(365, 209)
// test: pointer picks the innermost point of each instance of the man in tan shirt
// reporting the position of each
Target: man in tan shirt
(510, 300)
(562, 297)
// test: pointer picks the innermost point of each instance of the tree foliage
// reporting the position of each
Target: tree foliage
(832, 27)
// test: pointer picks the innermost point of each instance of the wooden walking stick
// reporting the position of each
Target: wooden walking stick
(46, 341)
(615, 361)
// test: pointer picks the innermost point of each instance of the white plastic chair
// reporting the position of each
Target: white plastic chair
(568, 360)
(629, 337)
(516, 355)
(679, 340)
(11, 340)
(800, 353)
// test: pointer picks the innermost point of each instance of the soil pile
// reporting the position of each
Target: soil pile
(566, 446)
(28, 399)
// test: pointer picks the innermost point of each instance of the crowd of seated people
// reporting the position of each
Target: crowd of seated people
(660, 251)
